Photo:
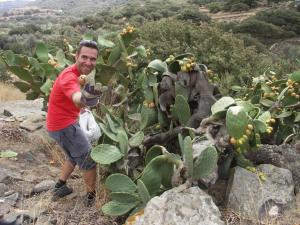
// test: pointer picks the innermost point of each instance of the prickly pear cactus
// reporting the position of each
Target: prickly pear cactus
(237, 121)
(182, 109)
(188, 154)
(205, 163)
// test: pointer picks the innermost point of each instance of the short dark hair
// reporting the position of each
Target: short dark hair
(88, 44)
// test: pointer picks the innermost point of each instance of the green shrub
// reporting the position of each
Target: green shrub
(262, 30)
(201, 2)
(215, 7)
(228, 5)
(27, 29)
(287, 20)
(220, 51)
(193, 15)
(251, 41)
(239, 7)
(4, 76)
(270, 2)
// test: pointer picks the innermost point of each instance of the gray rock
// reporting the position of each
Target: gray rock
(22, 108)
(3, 174)
(11, 219)
(30, 126)
(43, 186)
(256, 199)
(4, 209)
(284, 156)
(11, 199)
(6, 175)
(9, 119)
(3, 189)
(33, 122)
(36, 118)
(8, 193)
(17, 218)
(181, 207)
(24, 187)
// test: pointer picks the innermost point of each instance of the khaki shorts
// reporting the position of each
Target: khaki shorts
(75, 145)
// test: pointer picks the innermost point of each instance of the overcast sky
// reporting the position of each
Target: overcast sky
(12, 0)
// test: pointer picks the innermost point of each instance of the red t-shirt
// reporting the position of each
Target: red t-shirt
(62, 112)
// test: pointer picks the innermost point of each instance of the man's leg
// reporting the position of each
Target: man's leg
(89, 176)
(90, 179)
(61, 189)
(66, 170)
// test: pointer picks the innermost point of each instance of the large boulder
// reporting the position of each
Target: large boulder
(256, 199)
(284, 156)
(180, 206)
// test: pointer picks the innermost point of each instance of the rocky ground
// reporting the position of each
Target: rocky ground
(34, 170)
(26, 182)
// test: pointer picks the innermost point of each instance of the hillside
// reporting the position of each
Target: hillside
(7, 5)
(231, 16)
(72, 6)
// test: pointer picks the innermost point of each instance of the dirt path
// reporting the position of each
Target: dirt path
(231, 16)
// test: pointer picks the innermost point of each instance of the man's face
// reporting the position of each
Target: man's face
(86, 60)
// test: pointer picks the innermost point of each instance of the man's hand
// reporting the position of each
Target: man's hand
(90, 94)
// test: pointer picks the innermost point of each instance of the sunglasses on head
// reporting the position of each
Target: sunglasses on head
(88, 42)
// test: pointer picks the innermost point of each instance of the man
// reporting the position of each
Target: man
(65, 102)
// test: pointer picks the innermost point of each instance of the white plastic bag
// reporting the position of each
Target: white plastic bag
(89, 125)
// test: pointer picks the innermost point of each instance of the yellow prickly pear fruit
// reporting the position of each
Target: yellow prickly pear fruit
(251, 169)
(82, 79)
(183, 68)
(272, 120)
(241, 141)
(145, 103)
(238, 150)
(261, 176)
(272, 94)
(250, 126)
(232, 141)
(248, 132)
(151, 105)
(266, 95)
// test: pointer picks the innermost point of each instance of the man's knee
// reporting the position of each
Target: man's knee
(85, 162)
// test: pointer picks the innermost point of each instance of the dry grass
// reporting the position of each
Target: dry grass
(9, 92)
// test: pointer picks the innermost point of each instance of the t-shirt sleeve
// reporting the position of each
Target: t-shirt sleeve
(70, 84)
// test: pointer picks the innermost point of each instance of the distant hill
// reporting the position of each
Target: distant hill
(75, 6)
(7, 5)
